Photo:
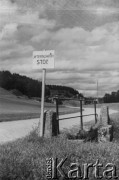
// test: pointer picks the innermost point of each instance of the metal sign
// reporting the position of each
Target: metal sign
(43, 59)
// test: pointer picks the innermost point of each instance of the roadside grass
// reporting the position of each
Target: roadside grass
(13, 108)
(4, 117)
(74, 103)
(18, 116)
(25, 159)
(113, 106)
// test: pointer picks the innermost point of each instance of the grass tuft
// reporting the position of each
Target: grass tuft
(25, 159)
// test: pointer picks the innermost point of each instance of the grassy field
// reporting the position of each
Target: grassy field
(26, 158)
(114, 106)
(18, 108)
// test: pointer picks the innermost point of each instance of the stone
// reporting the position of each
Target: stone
(105, 130)
(105, 134)
(104, 116)
(51, 124)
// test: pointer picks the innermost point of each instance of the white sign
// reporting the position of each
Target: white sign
(43, 59)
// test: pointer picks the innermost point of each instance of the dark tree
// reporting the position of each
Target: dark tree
(32, 88)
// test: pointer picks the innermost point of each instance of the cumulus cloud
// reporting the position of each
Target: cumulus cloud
(83, 55)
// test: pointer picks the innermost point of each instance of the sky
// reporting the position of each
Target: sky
(83, 33)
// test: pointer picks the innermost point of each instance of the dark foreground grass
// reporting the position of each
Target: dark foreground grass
(25, 159)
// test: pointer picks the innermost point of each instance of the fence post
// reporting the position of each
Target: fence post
(57, 114)
(95, 112)
(81, 116)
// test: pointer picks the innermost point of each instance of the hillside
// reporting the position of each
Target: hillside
(32, 88)
(5, 93)
(15, 108)
(19, 108)
(9, 103)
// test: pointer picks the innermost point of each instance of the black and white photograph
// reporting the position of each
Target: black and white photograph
(59, 89)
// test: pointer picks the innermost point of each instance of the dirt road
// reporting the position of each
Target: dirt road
(17, 129)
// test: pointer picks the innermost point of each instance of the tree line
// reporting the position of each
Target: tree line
(32, 88)
(111, 98)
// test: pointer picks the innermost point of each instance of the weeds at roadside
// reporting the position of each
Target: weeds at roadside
(26, 158)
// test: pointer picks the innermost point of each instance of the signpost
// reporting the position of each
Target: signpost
(43, 60)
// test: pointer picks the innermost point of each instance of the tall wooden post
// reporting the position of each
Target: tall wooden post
(42, 102)
(81, 115)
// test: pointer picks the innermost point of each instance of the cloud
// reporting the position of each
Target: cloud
(87, 48)
(83, 56)
(7, 12)
(7, 8)
(96, 51)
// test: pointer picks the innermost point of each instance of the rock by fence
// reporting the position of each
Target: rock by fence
(104, 116)
(105, 133)
(51, 124)
(102, 131)
(105, 130)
